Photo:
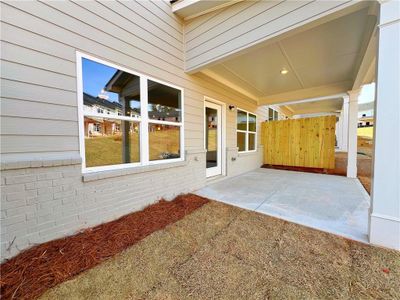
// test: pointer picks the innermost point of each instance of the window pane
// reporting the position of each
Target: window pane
(252, 141)
(164, 141)
(110, 142)
(109, 90)
(270, 114)
(275, 115)
(252, 122)
(241, 141)
(241, 120)
(164, 102)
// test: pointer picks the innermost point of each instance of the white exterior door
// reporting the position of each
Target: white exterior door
(213, 138)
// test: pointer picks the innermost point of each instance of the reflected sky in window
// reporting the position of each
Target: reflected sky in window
(95, 77)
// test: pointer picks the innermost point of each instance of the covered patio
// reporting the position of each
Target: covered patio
(315, 67)
(330, 203)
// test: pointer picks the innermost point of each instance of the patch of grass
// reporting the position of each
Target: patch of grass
(224, 252)
(107, 150)
(366, 131)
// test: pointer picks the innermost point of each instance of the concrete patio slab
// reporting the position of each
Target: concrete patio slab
(334, 204)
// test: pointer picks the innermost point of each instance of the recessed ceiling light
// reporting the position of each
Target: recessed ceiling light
(284, 71)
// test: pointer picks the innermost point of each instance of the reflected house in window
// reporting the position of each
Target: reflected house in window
(163, 112)
(127, 86)
(99, 126)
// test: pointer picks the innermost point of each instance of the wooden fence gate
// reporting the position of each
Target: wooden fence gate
(306, 142)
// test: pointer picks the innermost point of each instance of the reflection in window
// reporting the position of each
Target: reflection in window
(246, 131)
(252, 123)
(112, 93)
(241, 141)
(164, 141)
(164, 102)
(241, 120)
(107, 144)
(270, 114)
(113, 120)
(252, 141)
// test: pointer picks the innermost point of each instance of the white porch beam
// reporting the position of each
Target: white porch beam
(339, 88)
(366, 64)
(352, 133)
(385, 206)
(189, 9)
(299, 101)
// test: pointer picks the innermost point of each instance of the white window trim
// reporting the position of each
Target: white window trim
(247, 132)
(143, 120)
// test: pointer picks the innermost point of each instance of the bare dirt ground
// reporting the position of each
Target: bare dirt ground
(223, 252)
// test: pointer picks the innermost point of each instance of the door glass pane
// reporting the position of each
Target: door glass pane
(211, 137)
(164, 141)
(252, 141)
(241, 141)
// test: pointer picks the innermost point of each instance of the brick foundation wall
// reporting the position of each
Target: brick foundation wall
(45, 201)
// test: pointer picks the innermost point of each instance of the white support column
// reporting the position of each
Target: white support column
(385, 206)
(352, 133)
(345, 124)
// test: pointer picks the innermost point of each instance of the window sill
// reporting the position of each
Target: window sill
(92, 176)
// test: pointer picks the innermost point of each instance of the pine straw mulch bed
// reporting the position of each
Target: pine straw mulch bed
(366, 182)
(35, 270)
(224, 252)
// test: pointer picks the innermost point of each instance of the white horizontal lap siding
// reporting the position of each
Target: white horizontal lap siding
(245, 24)
(38, 82)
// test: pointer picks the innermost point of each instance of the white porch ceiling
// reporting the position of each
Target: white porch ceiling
(321, 61)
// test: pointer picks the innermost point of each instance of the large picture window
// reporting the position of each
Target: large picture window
(246, 131)
(127, 119)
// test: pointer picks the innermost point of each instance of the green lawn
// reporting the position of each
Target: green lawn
(107, 150)
(366, 131)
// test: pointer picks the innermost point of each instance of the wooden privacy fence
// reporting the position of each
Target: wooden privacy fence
(306, 142)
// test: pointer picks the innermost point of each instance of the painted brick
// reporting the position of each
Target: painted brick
(48, 176)
(23, 209)
(59, 195)
(13, 188)
(20, 179)
(14, 227)
(21, 195)
(65, 204)
(7, 205)
(12, 220)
